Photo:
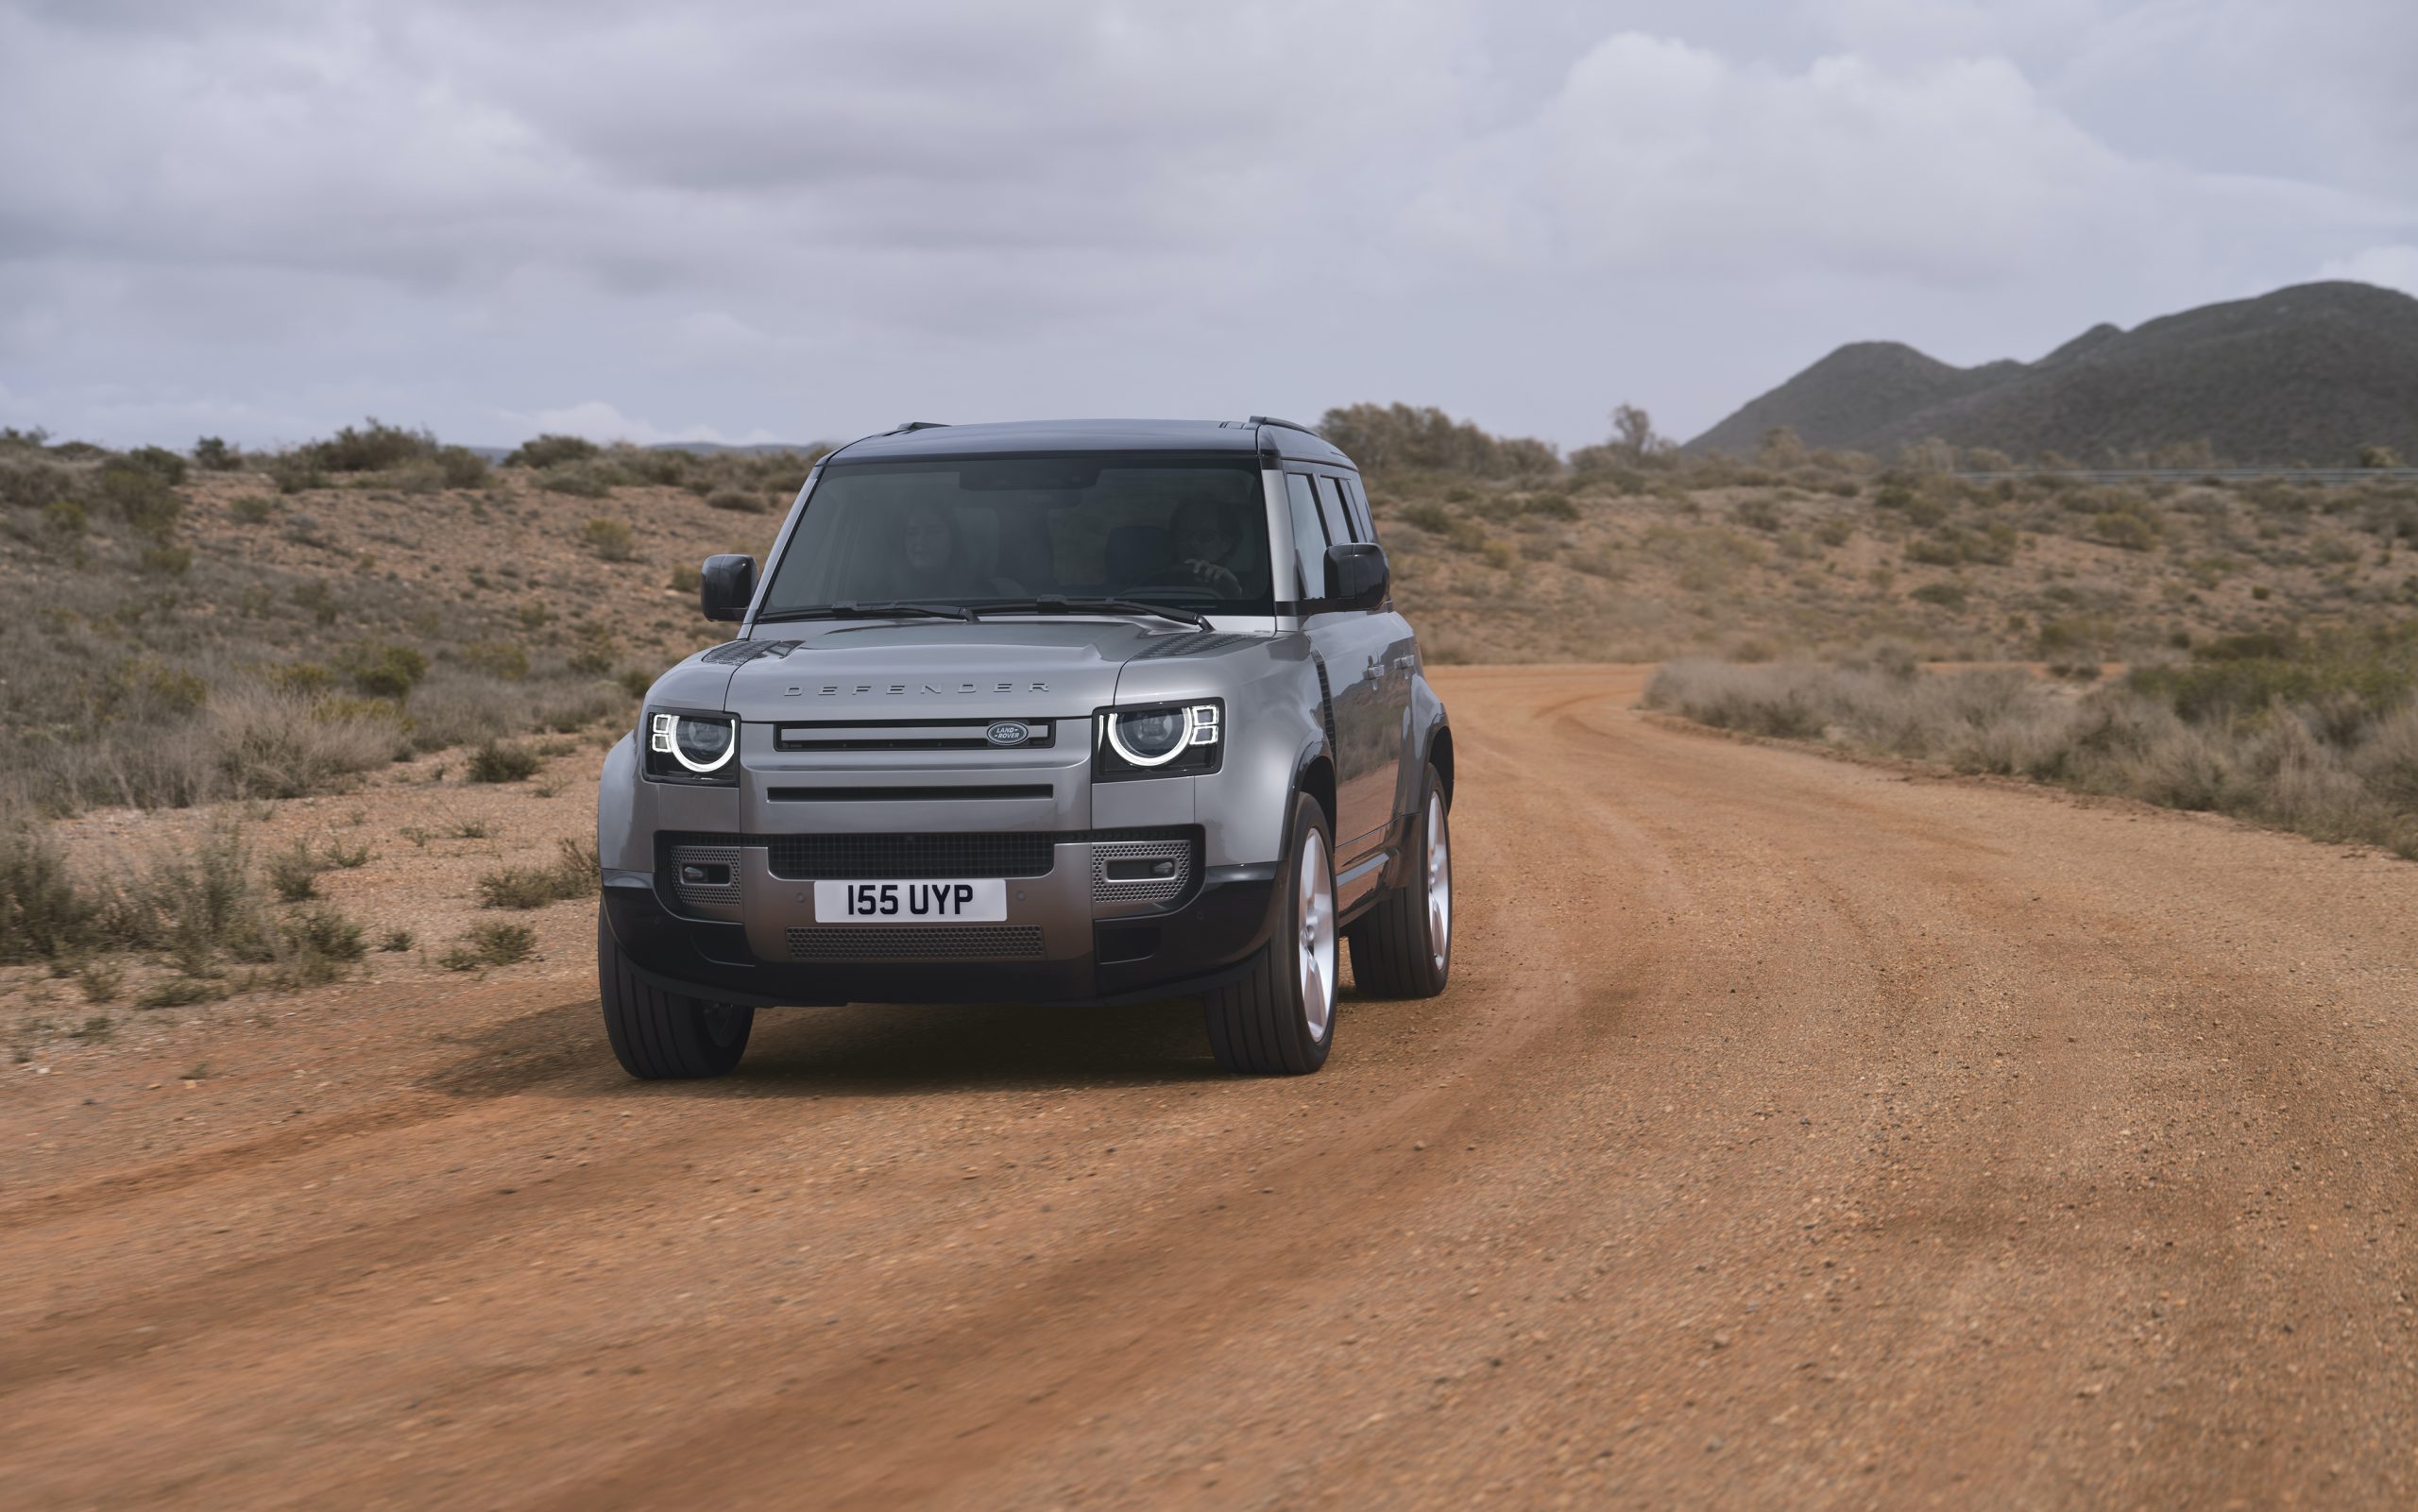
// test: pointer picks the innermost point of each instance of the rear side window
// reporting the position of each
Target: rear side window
(1339, 524)
(1309, 538)
(1363, 527)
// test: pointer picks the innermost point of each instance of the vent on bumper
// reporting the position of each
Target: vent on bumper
(972, 941)
(706, 875)
(1140, 871)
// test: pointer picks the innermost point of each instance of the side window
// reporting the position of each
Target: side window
(1363, 527)
(1309, 538)
(1339, 524)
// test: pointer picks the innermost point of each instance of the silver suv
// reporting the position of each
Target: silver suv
(1091, 711)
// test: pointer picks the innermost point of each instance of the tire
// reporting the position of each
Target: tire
(1403, 947)
(660, 1036)
(1279, 1018)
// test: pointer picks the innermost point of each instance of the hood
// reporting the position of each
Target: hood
(1000, 669)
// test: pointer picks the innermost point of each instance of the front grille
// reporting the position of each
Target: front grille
(904, 858)
(1121, 855)
(911, 735)
(961, 941)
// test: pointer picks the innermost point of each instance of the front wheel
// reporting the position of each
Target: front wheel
(662, 1036)
(1279, 1018)
(1403, 947)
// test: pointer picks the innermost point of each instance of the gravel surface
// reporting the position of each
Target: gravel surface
(1795, 1133)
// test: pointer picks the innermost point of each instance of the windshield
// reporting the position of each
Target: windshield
(1186, 532)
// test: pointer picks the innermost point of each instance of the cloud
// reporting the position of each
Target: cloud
(600, 421)
(746, 219)
(2394, 267)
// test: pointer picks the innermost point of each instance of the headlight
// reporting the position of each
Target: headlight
(1178, 740)
(694, 748)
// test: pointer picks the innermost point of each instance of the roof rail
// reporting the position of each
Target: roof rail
(1289, 425)
(917, 425)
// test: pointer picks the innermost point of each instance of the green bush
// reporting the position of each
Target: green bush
(573, 875)
(611, 539)
(140, 496)
(492, 943)
(45, 913)
(462, 467)
(497, 658)
(373, 448)
(212, 454)
(381, 669)
(494, 762)
(159, 462)
(549, 451)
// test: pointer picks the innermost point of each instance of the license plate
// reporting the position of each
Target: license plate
(983, 900)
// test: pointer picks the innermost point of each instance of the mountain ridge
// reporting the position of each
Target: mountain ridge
(2309, 373)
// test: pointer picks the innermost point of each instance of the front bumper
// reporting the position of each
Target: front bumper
(1195, 945)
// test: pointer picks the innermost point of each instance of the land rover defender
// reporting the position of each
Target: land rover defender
(1093, 711)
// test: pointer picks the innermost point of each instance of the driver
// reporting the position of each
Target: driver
(1203, 534)
(937, 564)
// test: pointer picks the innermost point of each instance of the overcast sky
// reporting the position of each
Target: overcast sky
(777, 221)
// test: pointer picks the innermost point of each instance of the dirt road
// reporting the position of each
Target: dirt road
(1795, 1133)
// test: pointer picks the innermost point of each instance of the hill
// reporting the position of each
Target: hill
(2309, 374)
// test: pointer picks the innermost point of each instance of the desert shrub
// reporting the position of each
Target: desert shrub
(65, 516)
(495, 762)
(2129, 529)
(159, 462)
(1554, 506)
(371, 447)
(579, 479)
(30, 484)
(252, 509)
(1498, 555)
(296, 472)
(550, 451)
(381, 669)
(1834, 531)
(165, 560)
(396, 940)
(572, 874)
(611, 539)
(212, 454)
(737, 501)
(491, 943)
(461, 468)
(265, 743)
(1398, 437)
(294, 872)
(45, 913)
(506, 659)
(139, 496)
(1759, 514)
(1947, 595)
(596, 651)
(686, 579)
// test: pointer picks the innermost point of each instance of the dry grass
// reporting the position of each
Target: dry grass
(2318, 769)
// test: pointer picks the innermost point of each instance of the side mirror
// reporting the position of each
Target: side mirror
(726, 586)
(1356, 575)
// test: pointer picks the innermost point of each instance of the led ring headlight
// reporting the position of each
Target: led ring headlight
(1199, 727)
(674, 735)
(1174, 748)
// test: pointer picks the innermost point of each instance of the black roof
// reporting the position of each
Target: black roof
(1014, 437)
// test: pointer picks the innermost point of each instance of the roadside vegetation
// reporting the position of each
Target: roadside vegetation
(225, 630)
(2316, 734)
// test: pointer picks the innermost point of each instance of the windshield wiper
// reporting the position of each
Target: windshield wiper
(1089, 605)
(885, 610)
